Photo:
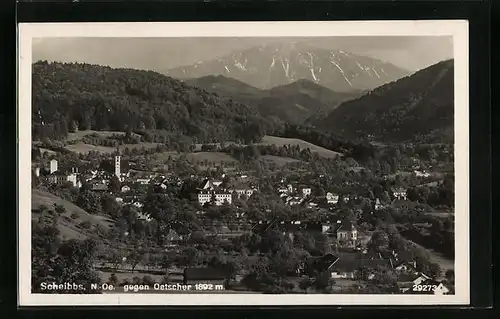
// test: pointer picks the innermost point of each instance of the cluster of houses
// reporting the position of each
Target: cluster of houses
(352, 266)
(294, 196)
(212, 191)
(54, 175)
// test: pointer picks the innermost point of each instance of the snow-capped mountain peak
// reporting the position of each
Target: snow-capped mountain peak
(277, 64)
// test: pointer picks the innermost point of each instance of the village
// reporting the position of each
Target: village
(329, 241)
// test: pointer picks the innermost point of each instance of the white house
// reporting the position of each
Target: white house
(332, 198)
(399, 193)
(306, 191)
(220, 197)
(204, 197)
(421, 174)
(138, 204)
(223, 197)
(143, 181)
(420, 279)
(125, 188)
(144, 217)
(283, 190)
(294, 201)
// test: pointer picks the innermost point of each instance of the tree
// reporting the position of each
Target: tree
(435, 270)
(450, 276)
(117, 258)
(73, 262)
(379, 241)
(114, 184)
(323, 283)
(113, 280)
(305, 283)
(134, 258)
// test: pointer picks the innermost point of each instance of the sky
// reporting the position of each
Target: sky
(412, 53)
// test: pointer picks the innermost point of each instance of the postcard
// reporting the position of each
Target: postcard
(243, 163)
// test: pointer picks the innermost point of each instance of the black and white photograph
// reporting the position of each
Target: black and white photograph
(253, 164)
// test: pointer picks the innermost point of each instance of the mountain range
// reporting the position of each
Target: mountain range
(419, 107)
(278, 64)
(293, 102)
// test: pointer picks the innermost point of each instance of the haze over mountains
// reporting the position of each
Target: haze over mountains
(279, 64)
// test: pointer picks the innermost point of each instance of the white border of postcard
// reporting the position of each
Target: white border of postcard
(458, 29)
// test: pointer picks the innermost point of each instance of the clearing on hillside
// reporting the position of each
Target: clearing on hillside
(278, 160)
(210, 156)
(82, 148)
(280, 141)
(81, 134)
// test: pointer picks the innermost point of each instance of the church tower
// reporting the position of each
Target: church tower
(117, 162)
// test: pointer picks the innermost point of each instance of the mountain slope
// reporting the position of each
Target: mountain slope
(418, 107)
(103, 98)
(293, 102)
(278, 64)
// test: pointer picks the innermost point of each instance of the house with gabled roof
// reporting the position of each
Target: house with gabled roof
(172, 237)
(347, 234)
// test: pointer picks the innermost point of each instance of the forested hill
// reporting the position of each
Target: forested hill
(416, 108)
(69, 96)
(292, 103)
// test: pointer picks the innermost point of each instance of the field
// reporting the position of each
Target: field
(69, 227)
(49, 152)
(210, 156)
(81, 134)
(82, 148)
(280, 141)
(280, 161)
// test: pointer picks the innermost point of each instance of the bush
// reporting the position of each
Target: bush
(74, 216)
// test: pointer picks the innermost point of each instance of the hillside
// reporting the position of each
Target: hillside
(76, 96)
(279, 64)
(418, 108)
(69, 223)
(280, 141)
(293, 102)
